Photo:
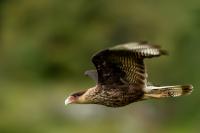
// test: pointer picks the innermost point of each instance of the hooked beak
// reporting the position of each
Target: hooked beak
(69, 100)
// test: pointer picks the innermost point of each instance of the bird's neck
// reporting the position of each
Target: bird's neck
(86, 98)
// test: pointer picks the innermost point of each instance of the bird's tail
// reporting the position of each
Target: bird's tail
(167, 91)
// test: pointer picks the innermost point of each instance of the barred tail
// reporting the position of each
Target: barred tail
(167, 91)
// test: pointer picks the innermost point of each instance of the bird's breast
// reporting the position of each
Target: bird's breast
(117, 96)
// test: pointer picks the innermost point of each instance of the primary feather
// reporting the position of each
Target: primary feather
(124, 63)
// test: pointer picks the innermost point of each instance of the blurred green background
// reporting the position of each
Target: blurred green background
(46, 45)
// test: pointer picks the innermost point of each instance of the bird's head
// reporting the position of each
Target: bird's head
(76, 97)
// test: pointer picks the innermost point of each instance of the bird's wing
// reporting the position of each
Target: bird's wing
(92, 74)
(123, 64)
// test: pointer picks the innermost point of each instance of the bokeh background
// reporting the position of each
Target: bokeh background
(46, 45)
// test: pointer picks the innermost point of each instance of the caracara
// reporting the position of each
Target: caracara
(121, 77)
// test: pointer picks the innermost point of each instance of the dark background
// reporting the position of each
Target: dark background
(46, 45)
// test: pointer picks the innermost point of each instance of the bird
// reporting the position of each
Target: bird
(121, 77)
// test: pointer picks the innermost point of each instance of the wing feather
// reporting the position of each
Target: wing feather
(124, 63)
(92, 74)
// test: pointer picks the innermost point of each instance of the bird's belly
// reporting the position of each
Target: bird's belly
(119, 99)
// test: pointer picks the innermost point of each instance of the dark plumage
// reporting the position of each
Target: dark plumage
(122, 79)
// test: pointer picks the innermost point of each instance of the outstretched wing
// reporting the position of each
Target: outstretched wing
(123, 64)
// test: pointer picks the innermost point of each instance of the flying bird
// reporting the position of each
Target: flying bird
(121, 77)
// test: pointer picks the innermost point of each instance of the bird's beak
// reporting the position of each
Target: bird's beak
(69, 100)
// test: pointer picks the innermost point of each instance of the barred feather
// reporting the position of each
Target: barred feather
(124, 63)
